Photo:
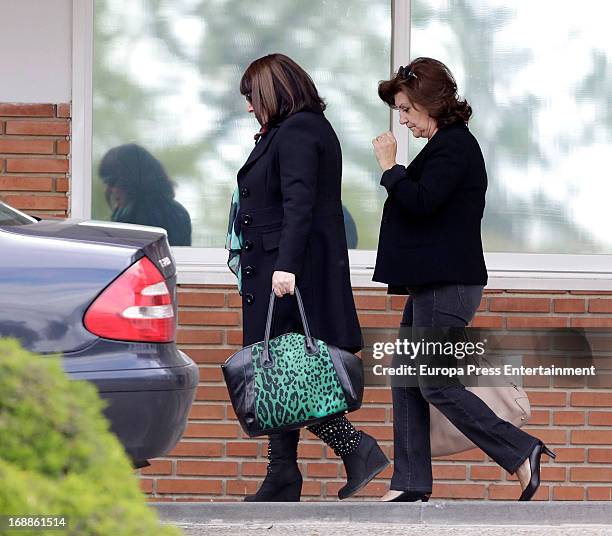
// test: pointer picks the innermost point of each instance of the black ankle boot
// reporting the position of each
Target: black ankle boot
(363, 459)
(283, 482)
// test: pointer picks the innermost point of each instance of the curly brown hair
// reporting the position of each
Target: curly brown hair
(430, 84)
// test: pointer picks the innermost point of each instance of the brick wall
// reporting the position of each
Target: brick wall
(34, 161)
(216, 461)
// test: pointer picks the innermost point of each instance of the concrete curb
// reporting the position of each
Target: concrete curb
(433, 513)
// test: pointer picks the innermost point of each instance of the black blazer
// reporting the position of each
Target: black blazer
(430, 230)
(291, 220)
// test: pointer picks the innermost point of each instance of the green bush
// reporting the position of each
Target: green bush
(58, 457)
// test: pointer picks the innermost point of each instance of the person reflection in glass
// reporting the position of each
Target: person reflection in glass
(138, 190)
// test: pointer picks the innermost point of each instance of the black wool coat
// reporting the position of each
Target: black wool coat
(291, 220)
(430, 230)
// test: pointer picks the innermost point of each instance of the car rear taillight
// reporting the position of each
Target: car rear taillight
(137, 306)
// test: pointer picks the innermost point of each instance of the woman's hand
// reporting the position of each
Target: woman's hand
(283, 283)
(385, 147)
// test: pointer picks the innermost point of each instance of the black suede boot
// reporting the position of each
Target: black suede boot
(283, 482)
(363, 458)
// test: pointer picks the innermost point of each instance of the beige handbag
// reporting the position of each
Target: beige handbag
(508, 403)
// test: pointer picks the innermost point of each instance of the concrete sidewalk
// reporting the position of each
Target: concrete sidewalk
(439, 517)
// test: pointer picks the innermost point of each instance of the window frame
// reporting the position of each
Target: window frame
(525, 271)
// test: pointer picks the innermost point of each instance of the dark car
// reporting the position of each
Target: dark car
(104, 296)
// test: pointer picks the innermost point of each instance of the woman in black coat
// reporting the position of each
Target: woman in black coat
(292, 233)
(430, 247)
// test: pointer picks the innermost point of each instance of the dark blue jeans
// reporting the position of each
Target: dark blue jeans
(447, 306)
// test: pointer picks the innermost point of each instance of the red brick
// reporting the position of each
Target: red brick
(37, 202)
(600, 305)
(211, 430)
(379, 320)
(366, 414)
(377, 395)
(30, 184)
(26, 110)
(38, 128)
(600, 456)
(568, 305)
(549, 435)
(234, 337)
(485, 472)
(212, 392)
(36, 165)
(234, 300)
(254, 468)
(158, 467)
(199, 336)
(568, 418)
(592, 437)
(62, 147)
(506, 492)
(189, 485)
(545, 398)
(593, 399)
(539, 417)
(61, 184)
(569, 455)
(568, 493)
(322, 470)
(63, 110)
(207, 411)
(206, 468)
(209, 318)
(241, 487)
(600, 418)
(527, 322)
(591, 474)
(555, 474)
(397, 303)
(211, 374)
(381, 433)
(371, 302)
(310, 450)
(519, 305)
(201, 299)
(198, 449)
(599, 493)
(311, 488)
(458, 491)
(14, 146)
(449, 472)
(242, 449)
(487, 321)
(146, 485)
(584, 322)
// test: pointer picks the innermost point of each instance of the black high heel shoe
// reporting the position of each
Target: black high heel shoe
(411, 496)
(534, 463)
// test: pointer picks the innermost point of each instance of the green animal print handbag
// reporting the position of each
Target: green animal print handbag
(291, 381)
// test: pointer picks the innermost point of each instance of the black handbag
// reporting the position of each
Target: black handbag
(291, 381)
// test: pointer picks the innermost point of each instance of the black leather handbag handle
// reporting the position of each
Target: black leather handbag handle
(311, 346)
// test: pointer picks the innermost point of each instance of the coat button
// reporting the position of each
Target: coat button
(385, 219)
(247, 219)
(249, 298)
(248, 245)
(244, 192)
(249, 271)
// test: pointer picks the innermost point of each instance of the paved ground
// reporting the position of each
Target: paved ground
(371, 529)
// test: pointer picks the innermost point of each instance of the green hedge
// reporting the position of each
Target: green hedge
(58, 457)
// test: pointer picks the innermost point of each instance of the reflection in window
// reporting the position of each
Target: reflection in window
(539, 78)
(166, 77)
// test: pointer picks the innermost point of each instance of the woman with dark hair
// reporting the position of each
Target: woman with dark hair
(139, 191)
(430, 248)
(289, 220)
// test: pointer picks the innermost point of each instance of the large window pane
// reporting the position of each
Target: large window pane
(166, 76)
(539, 78)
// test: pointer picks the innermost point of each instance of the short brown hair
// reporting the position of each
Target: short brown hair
(278, 87)
(432, 86)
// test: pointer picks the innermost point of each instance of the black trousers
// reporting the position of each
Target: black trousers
(446, 306)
